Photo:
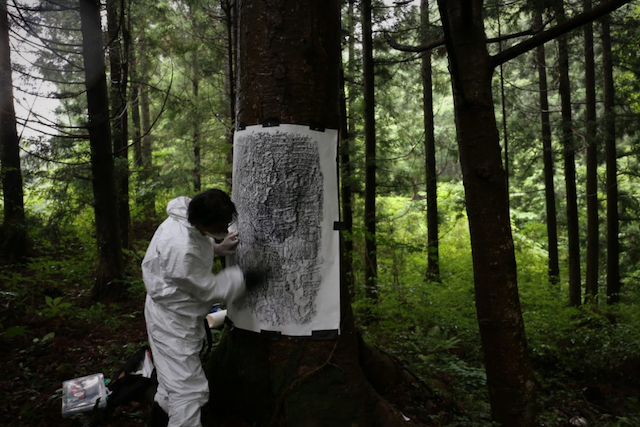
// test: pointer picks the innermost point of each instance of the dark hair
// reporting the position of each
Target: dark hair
(211, 207)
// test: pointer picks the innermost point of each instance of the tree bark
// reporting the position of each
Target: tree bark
(14, 230)
(370, 254)
(120, 124)
(136, 123)
(569, 147)
(110, 270)
(613, 244)
(549, 170)
(229, 9)
(593, 241)
(289, 69)
(509, 372)
(433, 258)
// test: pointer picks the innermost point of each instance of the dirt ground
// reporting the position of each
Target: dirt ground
(54, 350)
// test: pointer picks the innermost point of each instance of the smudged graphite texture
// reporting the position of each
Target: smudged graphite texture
(279, 198)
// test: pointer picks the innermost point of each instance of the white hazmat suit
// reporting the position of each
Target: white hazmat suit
(180, 292)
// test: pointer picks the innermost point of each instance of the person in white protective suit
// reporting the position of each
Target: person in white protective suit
(181, 289)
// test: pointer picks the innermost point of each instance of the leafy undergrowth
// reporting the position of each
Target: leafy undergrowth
(60, 338)
(586, 362)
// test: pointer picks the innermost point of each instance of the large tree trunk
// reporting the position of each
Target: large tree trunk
(568, 142)
(110, 263)
(289, 69)
(593, 241)
(509, 372)
(613, 244)
(120, 123)
(370, 250)
(14, 232)
(433, 258)
(549, 170)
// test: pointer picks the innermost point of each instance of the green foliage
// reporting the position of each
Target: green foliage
(431, 326)
(55, 307)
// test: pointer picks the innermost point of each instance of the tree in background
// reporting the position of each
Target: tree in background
(569, 147)
(509, 372)
(591, 139)
(14, 232)
(370, 253)
(547, 154)
(433, 259)
(613, 245)
(119, 79)
(110, 270)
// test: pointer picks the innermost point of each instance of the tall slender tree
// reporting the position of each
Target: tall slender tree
(371, 256)
(509, 372)
(569, 148)
(14, 232)
(613, 244)
(347, 141)
(110, 270)
(118, 78)
(593, 241)
(230, 22)
(433, 257)
(547, 154)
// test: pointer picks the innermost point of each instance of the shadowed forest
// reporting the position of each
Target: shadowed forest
(489, 173)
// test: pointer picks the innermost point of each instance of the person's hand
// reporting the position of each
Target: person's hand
(228, 245)
(254, 278)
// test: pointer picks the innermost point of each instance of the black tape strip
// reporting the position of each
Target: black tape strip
(327, 334)
(318, 126)
(272, 335)
(267, 123)
(229, 323)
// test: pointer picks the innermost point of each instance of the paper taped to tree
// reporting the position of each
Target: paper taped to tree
(286, 193)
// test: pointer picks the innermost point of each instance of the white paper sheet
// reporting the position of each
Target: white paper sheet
(286, 192)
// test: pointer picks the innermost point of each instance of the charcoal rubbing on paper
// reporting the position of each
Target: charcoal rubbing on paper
(278, 188)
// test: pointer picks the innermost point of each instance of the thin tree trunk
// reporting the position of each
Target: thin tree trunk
(346, 192)
(134, 106)
(347, 140)
(549, 170)
(371, 256)
(613, 244)
(196, 139)
(569, 147)
(433, 257)
(195, 133)
(110, 263)
(503, 104)
(593, 241)
(119, 128)
(229, 9)
(14, 230)
(509, 373)
(147, 139)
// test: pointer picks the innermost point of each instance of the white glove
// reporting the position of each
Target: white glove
(228, 245)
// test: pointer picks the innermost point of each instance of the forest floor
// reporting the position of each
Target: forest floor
(50, 333)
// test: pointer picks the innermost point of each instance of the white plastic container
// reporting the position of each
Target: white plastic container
(83, 394)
